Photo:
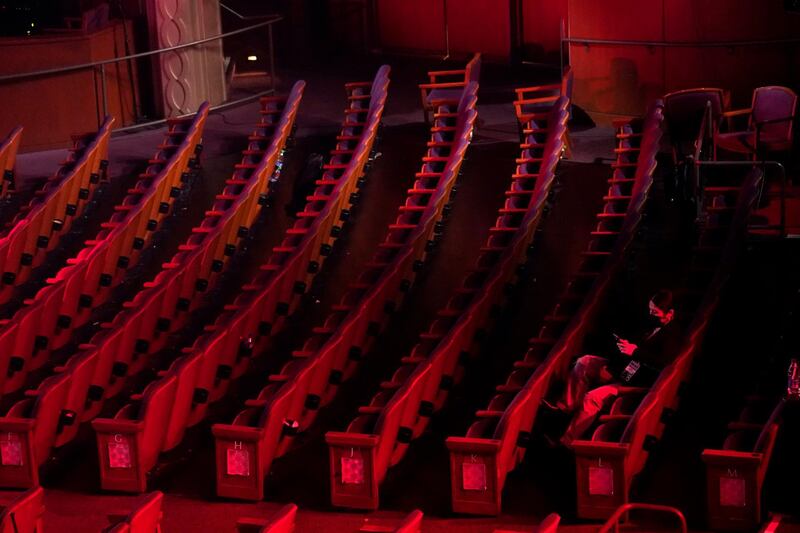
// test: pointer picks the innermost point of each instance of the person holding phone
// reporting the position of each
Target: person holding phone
(594, 380)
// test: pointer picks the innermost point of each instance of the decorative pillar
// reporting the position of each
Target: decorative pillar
(185, 78)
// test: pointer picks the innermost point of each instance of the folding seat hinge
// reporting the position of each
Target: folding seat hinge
(15, 364)
(404, 435)
(201, 285)
(200, 396)
(8, 278)
(246, 347)
(264, 328)
(312, 402)
(354, 354)
(282, 308)
(666, 415)
(354, 197)
(230, 249)
(182, 304)
(94, 177)
(95, 393)
(224, 372)
(336, 231)
(174, 192)
(336, 377)
(418, 264)
(325, 250)
(141, 346)
(344, 215)
(405, 285)
(299, 287)
(373, 328)
(163, 207)
(105, 280)
(71, 210)
(389, 307)
(119, 369)
(138, 243)
(446, 383)
(152, 224)
(83, 194)
(40, 342)
(649, 444)
(63, 321)
(425, 408)
(217, 265)
(162, 324)
(58, 224)
(313, 267)
(42, 241)
(523, 439)
(26, 259)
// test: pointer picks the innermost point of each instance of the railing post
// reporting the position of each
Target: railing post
(271, 57)
(103, 85)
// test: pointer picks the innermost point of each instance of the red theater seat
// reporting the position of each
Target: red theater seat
(447, 85)
(8, 159)
(145, 517)
(770, 124)
(39, 225)
(735, 472)
(24, 513)
(282, 522)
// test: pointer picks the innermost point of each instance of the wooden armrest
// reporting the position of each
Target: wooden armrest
(737, 112)
(537, 88)
(450, 85)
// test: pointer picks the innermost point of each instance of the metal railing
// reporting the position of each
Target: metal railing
(613, 523)
(99, 67)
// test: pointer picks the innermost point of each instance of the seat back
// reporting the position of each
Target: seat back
(473, 69)
(24, 514)
(774, 103)
(684, 111)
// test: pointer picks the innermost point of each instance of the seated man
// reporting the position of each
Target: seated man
(594, 381)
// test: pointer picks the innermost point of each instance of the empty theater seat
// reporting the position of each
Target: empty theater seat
(23, 513)
(770, 124)
(144, 518)
(186, 388)
(45, 323)
(39, 225)
(448, 84)
(610, 455)
(8, 159)
(735, 472)
(281, 522)
(399, 412)
(496, 442)
(291, 399)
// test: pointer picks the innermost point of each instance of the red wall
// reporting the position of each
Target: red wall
(541, 22)
(623, 79)
(419, 26)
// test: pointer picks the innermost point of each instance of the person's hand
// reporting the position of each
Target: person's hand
(626, 347)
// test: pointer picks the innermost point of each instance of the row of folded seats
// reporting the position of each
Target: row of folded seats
(38, 226)
(288, 404)
(496, 441)
(611, 454)
(46, 322)
(51, 415)
(8, 159)
(735, 470)
(165, 306)
(157, 419)
(399, 412)
(284, 522)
